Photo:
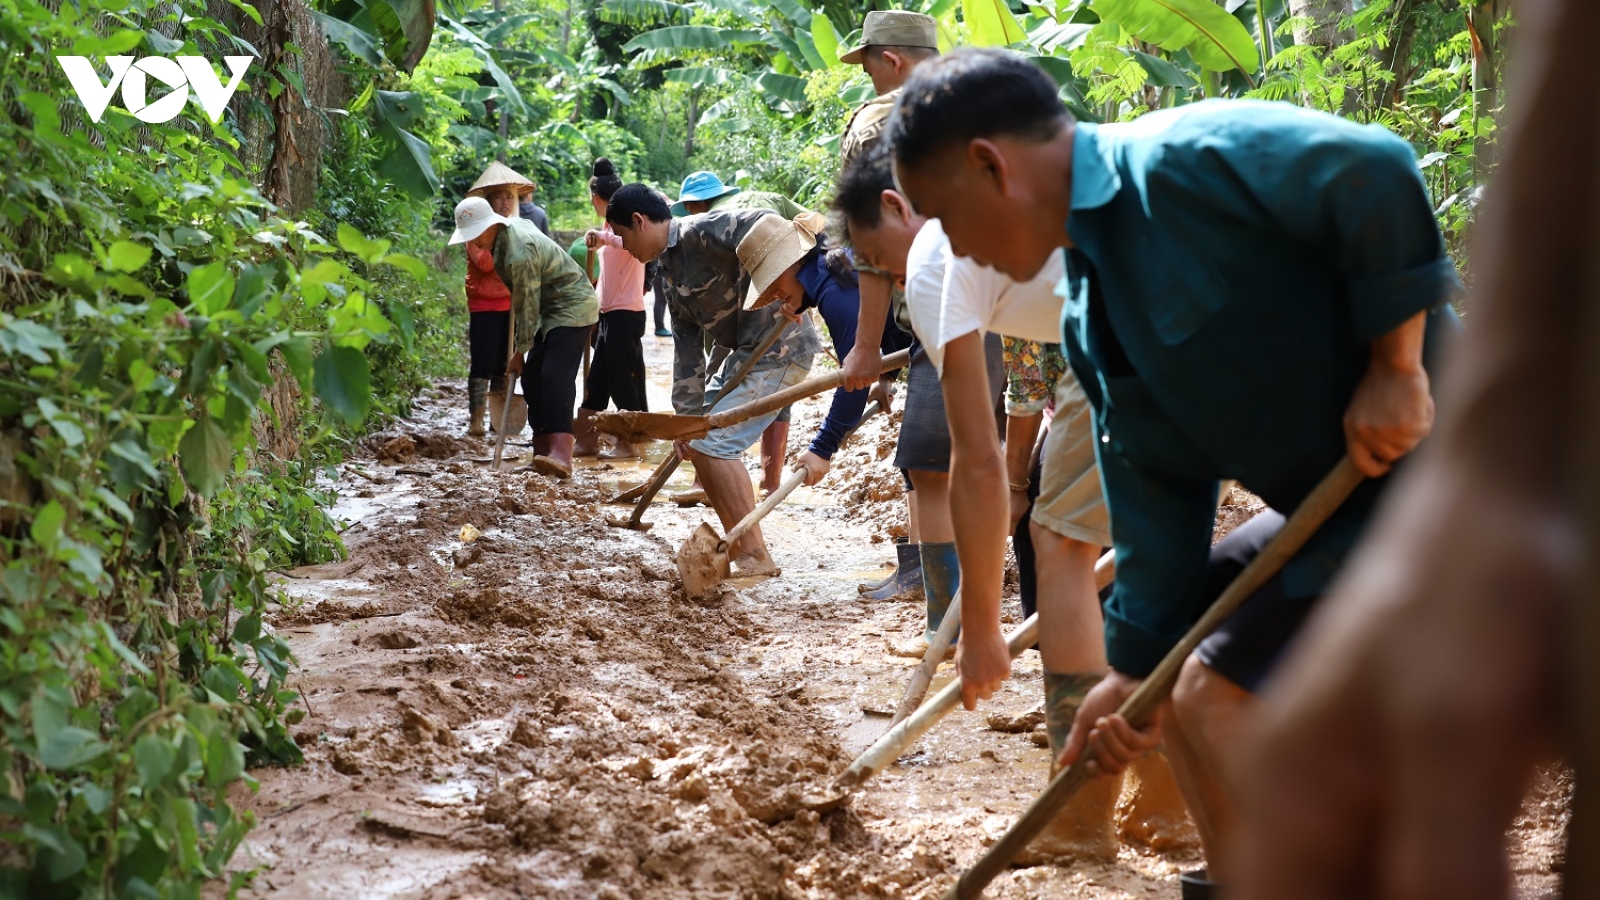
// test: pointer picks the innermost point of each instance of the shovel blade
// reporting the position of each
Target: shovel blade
(635, 427)
(701, 564)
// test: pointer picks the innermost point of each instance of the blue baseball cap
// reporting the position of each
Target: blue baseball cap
(701, 186)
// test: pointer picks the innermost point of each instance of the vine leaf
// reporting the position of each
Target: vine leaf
(205, 454)
(343, 382)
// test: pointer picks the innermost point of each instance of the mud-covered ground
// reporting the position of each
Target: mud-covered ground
(509, 698)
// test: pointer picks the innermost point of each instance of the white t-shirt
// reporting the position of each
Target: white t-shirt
(951, 296)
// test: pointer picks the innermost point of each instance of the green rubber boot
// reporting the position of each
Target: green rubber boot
(1085, 828)
(477, 402)
(941, 578)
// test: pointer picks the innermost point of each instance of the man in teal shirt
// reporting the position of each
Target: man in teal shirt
(1250, 291)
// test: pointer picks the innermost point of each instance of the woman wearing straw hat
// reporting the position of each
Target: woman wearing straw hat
(510, 195)
(553, 307)
(789, 262)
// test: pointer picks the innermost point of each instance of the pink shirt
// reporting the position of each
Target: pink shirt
(621, 276)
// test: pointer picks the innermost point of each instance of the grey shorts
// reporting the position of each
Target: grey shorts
(733, 441)
(1071, 502)
(924, 431)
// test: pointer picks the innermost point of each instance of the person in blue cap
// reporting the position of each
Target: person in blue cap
(704, 191)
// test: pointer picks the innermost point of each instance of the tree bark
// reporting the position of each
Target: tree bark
(694, 116)
(1482, 19)
(1325, 14)
(1407, 18)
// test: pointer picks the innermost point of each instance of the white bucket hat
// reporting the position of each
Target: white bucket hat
(772, 246)
(473, 217)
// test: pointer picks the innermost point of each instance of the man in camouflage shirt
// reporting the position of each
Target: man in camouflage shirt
(699, 265)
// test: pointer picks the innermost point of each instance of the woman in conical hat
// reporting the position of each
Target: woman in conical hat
(509, 194)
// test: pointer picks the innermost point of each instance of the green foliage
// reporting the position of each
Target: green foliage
(162, 321)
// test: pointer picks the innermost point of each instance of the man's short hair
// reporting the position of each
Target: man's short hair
(972, 94)
(636, 198)
(914, 54)
(858, 195)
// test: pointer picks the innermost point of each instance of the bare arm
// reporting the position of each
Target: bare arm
(978, 488)
(861, 365)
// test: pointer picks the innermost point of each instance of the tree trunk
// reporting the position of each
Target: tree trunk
(1482, 18)
(694, 116)
(566, 27)
(1407, 18)
(1325, 15)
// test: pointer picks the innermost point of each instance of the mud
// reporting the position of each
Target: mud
(538, 710)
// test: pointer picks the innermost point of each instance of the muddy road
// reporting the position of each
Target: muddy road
(510, 699)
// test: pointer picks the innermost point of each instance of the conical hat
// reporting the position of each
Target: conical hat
(500, 174)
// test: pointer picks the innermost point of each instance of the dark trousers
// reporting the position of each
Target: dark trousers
(616, 374)
(550, 379)
(488, 340)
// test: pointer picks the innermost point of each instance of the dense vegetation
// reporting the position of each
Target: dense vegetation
(197, 317)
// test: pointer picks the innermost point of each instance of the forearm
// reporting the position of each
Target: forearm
(1401, 349)
(977, 484)
(528, 322)
(876, 293)
(1022, 433)
(843, 413)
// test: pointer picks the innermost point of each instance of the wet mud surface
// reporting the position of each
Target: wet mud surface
(509, 698)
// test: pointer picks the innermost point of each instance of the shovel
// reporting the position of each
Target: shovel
(644, 426)
(703, 562)
(511, 391)
(907, 730)
(1138, 708)
(646, 492)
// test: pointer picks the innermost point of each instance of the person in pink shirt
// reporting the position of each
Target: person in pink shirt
(616, 374)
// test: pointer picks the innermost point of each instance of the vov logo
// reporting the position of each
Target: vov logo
(180, 73)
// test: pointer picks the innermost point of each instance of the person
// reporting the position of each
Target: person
(505, 188)
(702, 192)
(488, 339)
(1069, 522)
(1458, 650)
(616, 374)
(534, 213)
(699, 263)
(893, 239)
(554, 306)
(790, 263)
(893, 43)
(658, 296)
(1183, 232)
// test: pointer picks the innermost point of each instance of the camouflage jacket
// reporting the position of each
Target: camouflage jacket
(865, 127)
(705, 292)
(548, 289)
(772, 200)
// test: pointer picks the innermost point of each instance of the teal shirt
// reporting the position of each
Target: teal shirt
(1232, 261)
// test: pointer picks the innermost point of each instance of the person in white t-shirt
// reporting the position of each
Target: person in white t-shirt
(955, 304)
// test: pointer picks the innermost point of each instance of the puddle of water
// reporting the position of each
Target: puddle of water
(455, 792)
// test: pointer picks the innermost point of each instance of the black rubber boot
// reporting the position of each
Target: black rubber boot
(1197, 887)
(907, 578)
(876, 583)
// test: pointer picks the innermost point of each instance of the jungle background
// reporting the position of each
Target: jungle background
(197, 319)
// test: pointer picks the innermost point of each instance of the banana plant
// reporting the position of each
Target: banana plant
(385, 36)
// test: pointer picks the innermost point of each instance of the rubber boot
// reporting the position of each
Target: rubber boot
(876, 583)
(583, 432)
(941, 578)
(1084, 829)
(1197, 886)
(477, 400)
(907, 578)
(774, 447)
(1151, 812)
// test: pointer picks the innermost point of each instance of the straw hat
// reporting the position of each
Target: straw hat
(772, 246)
(499, 174)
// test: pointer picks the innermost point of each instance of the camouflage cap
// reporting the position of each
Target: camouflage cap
(894, 28)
